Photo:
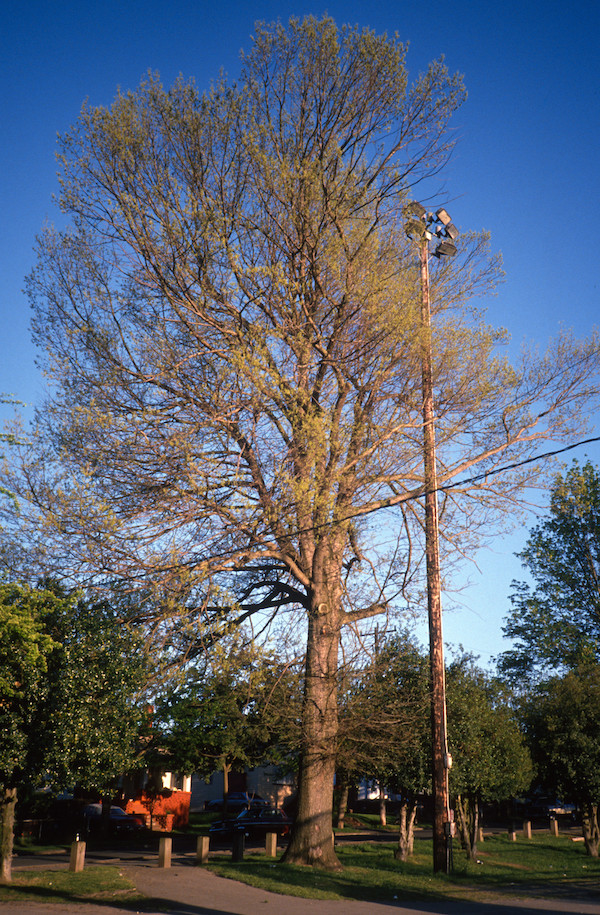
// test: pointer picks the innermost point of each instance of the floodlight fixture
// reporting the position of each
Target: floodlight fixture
(415, 228)
(443, 216)
(414, 208)
(445, 249)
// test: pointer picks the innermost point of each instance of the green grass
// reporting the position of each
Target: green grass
(93, 884)
(355, 821)
(33, 847)
(199, 823)
(544, 866)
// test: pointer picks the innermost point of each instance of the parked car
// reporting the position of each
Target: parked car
(553, 807)
(121, 823)
(253, 822)
(236, 802)
(541, 807)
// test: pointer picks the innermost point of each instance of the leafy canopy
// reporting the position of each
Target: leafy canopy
(555, 621)
(491, 761)
(70, 672)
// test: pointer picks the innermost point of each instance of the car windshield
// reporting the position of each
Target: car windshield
(96, 810)
(263, 813)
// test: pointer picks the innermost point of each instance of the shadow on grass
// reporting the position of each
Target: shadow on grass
(366, 876)
(371, 873)
(135, 903)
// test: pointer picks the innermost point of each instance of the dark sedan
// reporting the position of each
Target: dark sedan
(236, 801)
(254, 823)
(121, 823)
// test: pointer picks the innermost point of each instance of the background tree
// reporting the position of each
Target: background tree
(555, 622)
(69, 673)
(234, 711)
(384, 728)
(232, 325)
(411, 777)
(90, 721)
(563, 725)
(24, 649)
(491, 761)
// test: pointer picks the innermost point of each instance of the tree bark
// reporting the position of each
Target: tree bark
(406, 836)
(467, 810)
(226, 771)
(591, 829)
(344, 787)
(382, 805)
(475, 828)
(312, 837)
(7, 828)
(105, 818)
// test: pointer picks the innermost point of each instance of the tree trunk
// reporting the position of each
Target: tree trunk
(412, 817)
(312, 837)
(401, 853)
(591, 828)
(105, 818)
(475, 828)
(344, 787)
(406, 836)
(226, 771)
(382, 806)
(467, 810)
(7, 829)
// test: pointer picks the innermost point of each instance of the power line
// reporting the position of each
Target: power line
(515, 466)
(443, 488)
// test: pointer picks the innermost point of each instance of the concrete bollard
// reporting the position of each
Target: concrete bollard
(165, 848)
(202, 847)
(553, 826)
(77, 859)
(239, 841)
(512, 833)
(271, 844)
(527, 829)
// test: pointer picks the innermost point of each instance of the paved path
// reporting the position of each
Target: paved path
(188, 890)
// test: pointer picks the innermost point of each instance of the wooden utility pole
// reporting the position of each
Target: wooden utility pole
(440, 756)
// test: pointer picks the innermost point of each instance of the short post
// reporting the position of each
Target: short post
(271, 844)
(553, 826)
(512, 833)
(527, 829)
(165, 847)
(202, 847)
(480, 834)
(77, 859)
(238, 846)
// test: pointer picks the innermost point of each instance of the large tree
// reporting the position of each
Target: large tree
(232, 323)
(555, 621)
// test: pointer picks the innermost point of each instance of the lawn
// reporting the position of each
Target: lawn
(93, 884)
(543, 866)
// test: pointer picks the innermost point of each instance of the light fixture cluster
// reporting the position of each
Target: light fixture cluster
(422, 226)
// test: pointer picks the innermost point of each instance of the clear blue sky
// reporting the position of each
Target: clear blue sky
(526, 165)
